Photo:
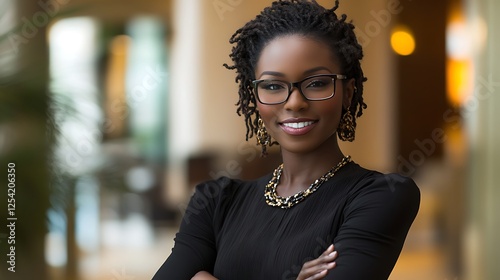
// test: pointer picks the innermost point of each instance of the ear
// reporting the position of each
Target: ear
(349, 87)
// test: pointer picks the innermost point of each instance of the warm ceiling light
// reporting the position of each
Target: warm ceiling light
(403, 42)
(458, 83)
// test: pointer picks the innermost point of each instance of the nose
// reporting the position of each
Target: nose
(296, 101)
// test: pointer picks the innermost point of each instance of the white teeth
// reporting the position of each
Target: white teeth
(298, 125)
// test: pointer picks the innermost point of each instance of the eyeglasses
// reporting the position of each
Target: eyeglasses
(313, 88)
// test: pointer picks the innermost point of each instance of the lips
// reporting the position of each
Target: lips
(297, 127)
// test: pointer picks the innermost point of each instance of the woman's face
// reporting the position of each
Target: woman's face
(292, 58)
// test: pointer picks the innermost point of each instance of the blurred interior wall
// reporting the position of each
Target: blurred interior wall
(375, 143)
(483, 223)
(185, 88)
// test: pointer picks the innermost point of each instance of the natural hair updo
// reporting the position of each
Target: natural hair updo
(294, 17)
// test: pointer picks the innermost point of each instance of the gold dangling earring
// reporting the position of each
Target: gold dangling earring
(263, 138)
(347, 128)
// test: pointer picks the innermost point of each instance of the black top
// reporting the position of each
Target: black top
(230, 231)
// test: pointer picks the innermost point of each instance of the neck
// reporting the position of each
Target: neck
(301, 170)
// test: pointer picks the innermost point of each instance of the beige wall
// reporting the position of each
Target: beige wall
(483, 222)
(222, 128)
(215, 94)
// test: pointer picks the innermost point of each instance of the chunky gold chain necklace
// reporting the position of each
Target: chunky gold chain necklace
(273, 199)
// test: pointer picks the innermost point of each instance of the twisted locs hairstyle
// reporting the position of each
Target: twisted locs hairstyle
(294, 17)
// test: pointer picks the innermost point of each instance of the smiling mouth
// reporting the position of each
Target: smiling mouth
(298, 124)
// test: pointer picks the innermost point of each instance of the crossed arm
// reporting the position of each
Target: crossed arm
(311, 270)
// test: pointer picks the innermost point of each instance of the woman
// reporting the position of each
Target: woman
(319, 215)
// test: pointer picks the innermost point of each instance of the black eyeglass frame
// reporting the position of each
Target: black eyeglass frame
(298, 85)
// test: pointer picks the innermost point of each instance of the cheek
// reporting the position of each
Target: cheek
(332, 111)
(266, 112)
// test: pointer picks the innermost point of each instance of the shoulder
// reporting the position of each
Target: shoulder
(392, 191)
(365, 180)
(224, 190)
(215, 190)
(214, 198)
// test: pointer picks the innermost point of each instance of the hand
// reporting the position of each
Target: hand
(318, 268)
(203, 275)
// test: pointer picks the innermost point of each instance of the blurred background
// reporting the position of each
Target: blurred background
(112, 110)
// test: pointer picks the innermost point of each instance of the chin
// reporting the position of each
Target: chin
(304, 147)
(298, 148)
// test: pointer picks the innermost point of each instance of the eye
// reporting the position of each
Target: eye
(272, 86)
(318, 83)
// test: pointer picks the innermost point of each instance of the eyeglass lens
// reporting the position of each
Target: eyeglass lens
(314, 88)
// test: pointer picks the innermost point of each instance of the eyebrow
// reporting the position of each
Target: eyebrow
(272, 73)
(309, 71)
(315, 69)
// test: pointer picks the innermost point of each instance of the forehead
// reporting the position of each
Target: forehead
(292, 55)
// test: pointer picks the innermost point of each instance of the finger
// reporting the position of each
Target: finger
(330, 257)
(319, 275)
(321, 260)
(328, 250)
(310, 272)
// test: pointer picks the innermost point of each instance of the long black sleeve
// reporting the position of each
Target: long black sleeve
(376, 222)
(194, 248)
